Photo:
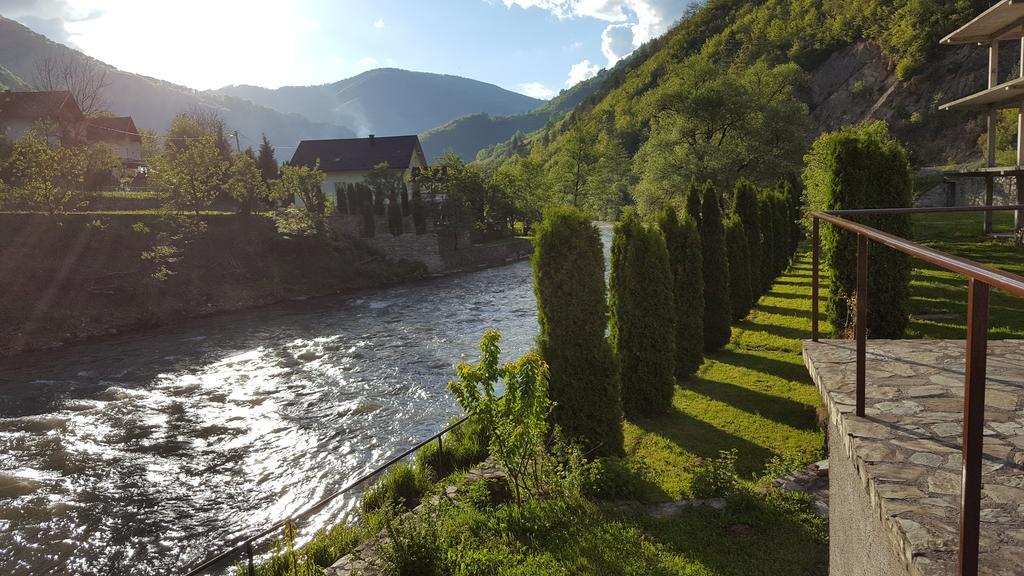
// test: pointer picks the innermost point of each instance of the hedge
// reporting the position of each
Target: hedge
(693, 194)
(572, 311)
(684, 249)
(739, 267)
(717, 314)
(863, 167)
(768, 235)
(642, 317)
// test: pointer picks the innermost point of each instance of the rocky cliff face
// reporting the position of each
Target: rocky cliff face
(858, 83)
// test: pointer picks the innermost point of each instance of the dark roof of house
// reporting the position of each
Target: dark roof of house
(36, 105)
(112, 129)
(357, 153)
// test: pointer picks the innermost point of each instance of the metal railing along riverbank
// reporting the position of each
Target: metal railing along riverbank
(980, 279)
(244, 548)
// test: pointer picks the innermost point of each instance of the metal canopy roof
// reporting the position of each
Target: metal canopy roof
(1003, 21)
(1006, 95)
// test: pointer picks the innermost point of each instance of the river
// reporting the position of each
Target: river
(139, 454)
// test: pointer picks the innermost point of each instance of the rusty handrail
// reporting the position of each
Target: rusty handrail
(980, 279)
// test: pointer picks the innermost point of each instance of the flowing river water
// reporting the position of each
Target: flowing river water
(139, 454)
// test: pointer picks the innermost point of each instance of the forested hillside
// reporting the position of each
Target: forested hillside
(468, 135)
(738, 88)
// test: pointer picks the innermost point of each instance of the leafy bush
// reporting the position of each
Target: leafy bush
(572, 311)
(783, 225)
(517, 420)
(739, 267)
(642, 317)
(717, 477)
(717, 313)
(684, 250)
(402, 486)
(614, 478)
(693, 209)
(413, 546)
(745, 205)
(863, 167)
(326, 547)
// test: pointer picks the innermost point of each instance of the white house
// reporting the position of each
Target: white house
(349, 160)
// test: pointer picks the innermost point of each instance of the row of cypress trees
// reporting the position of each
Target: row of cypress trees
(675, 287)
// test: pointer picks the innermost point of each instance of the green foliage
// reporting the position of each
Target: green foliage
(413, 547)
(517, 420)
(302, 184)
(613, 478)
(102, 167)
(708, 122)
(522, 181)
(386, 185)
(189, 174)
(288, 559)
(740, 295)
(717, 477)
(683, 242)
(745, 206)
(43, 177)
(717, 308)
(643, 317)
(245, 183)
(402, 486)
(568, 269)
(863, 167)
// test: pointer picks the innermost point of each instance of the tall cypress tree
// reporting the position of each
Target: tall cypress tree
(572, 310)
(768, 258)
(642, 317)
(717, 313)
(683, 242)
(745, 205)
(693, 193)
(739, 267)
(265, 160)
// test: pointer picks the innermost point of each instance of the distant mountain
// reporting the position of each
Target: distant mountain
(154, 103)
(388, 101)
(468, 135)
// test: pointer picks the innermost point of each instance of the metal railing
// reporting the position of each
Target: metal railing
(245, 545)
(981, 279)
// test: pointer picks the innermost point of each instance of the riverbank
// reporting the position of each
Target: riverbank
(86, 275)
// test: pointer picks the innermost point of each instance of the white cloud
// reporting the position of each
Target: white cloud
(537, 90)
(379, 23)
(368, 61)
(580, 72)
(631, 22)
(617, 42)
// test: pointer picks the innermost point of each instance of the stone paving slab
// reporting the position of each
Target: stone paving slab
(906, 449)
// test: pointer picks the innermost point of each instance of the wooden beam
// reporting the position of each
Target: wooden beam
(993, 63)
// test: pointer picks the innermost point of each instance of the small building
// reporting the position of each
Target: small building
(57, 113)
(120, 134)
(349, 160)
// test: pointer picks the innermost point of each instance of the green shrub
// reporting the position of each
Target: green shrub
(739, 267)
(413, 547)
(717, 477)
(402, 485)
(683, 242)
(613, 479)
(717, 314)
(395, 219)
(863, 167)
(768, 257)
(642, 317)
(746, 206)
(572, 311)
(783, 233)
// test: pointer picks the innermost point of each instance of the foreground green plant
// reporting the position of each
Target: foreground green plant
(517, 420)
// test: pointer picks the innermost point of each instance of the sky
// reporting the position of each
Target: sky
(535, 47)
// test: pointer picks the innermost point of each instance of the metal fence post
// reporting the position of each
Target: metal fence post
(974, 419)
(861, 326)
(815, 257)
(248, 553)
